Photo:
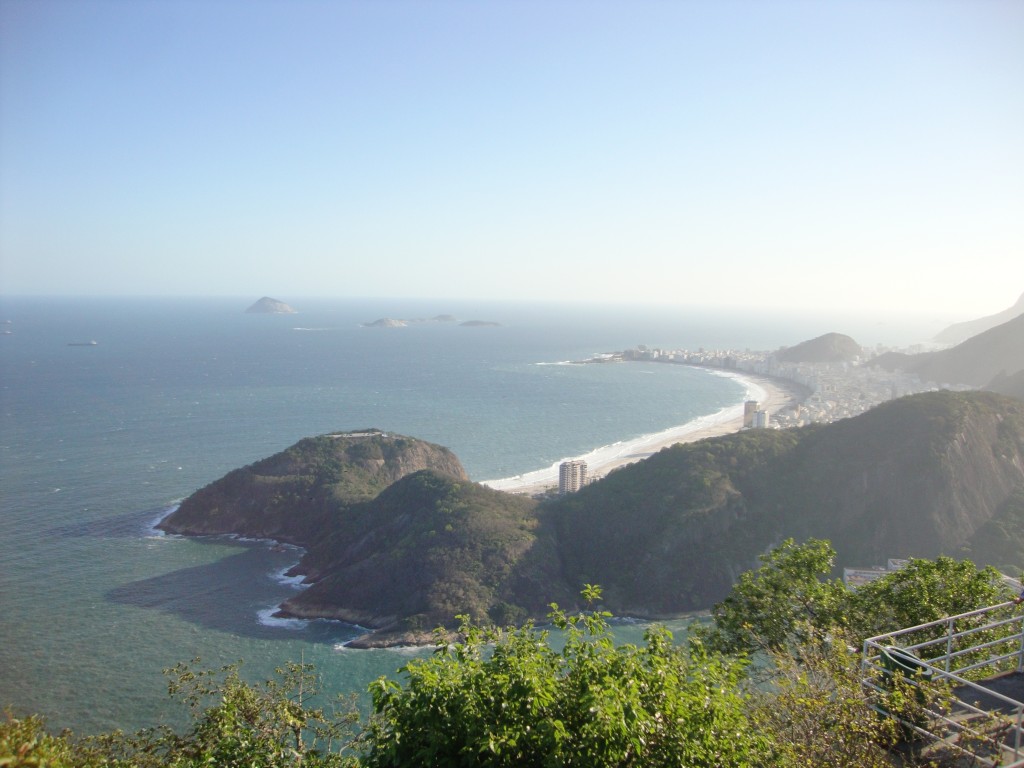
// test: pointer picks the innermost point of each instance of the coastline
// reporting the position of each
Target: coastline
(772, 394)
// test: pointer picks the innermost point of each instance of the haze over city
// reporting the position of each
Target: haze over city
(797, 155)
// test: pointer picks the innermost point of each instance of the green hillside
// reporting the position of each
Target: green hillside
(920, 476)
(297, 493)
(426, 549)
(399, 540)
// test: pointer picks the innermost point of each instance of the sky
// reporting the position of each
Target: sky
(788, 154)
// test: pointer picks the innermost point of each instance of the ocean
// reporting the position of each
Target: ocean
(99, 441)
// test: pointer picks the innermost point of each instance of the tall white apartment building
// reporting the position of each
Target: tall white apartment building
(572, 475)
(749, 409)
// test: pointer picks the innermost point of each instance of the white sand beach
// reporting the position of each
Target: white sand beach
(772, 394)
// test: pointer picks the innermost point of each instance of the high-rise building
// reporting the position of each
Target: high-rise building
(749, 409)
(572, 475)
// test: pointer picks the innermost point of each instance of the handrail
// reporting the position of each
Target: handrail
(958, 645)
(947, 619)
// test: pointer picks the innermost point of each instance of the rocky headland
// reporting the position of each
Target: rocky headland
(398, 539)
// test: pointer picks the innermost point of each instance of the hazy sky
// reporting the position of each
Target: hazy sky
(770, 154)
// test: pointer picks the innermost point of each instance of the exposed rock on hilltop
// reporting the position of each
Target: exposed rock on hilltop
(269, 306)
(959, 332)
(830, 348)
(291, 495)
(998, 352)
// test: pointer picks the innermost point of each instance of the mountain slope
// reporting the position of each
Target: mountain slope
(959, 332)
(402, 547)
(426, 549)
(919, 476)
(976, 362)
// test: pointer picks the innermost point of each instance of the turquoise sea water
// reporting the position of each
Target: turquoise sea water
(97, 442)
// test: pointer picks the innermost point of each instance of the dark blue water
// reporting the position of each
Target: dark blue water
(97, 442)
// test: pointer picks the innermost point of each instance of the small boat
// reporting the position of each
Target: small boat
(90, 343)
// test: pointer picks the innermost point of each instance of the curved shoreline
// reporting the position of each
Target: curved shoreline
(772, 394)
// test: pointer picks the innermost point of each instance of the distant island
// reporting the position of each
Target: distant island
(391, 322)
(269, 306)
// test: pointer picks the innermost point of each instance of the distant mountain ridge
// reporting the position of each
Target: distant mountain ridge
(958, 332)
(997, 352)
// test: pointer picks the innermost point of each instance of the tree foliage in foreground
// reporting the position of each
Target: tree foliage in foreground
(788, 600)
(234, 724)
(511, 698)
(507, 698)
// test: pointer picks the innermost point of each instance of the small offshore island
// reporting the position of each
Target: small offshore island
(390, 322)
(269, 306)
(399, 540)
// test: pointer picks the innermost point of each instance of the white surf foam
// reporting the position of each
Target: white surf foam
(613, 453)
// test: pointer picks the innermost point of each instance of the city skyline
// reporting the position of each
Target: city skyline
(791, 155)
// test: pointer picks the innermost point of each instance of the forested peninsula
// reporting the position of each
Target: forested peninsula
(399, 540)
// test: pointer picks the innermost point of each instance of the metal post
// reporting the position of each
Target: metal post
(1020, 658)
(949, 644)
(1016, 741)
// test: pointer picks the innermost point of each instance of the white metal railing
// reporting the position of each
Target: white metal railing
(978, 644)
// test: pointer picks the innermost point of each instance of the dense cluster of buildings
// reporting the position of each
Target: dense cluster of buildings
(834, 390)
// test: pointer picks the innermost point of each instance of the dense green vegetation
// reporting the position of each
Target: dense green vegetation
(399, 540)
(921, 476)
(507, 698)
(298, 493)
(426, 549)
(513, 697)
(789, 600)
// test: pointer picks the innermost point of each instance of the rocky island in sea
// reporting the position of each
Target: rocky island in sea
(269, 306)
